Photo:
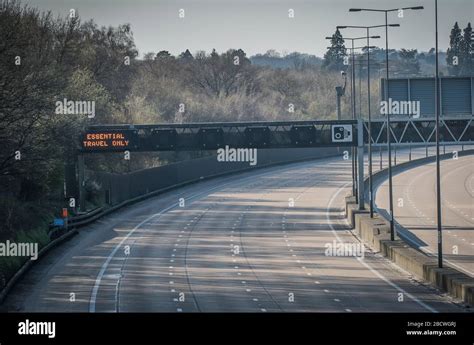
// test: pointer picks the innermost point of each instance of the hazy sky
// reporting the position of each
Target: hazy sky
(259, 25)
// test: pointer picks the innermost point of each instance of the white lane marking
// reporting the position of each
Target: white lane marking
(95, 289)
(379, 275)
(427, 249)
(99, 277)
(98, 280)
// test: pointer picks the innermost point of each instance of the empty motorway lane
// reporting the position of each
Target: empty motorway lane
(251, 242)
(415, 208)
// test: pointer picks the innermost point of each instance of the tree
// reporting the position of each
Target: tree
(272, 53)
(44, 60)
(467, 52)
(221, 75)
(334, 57)
(409, 62)
(453, 55)
(186, 56)
(164, 54)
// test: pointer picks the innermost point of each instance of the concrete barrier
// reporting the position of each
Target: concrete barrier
(376, 234)
(352, 210)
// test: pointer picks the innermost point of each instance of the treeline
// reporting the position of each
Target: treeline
(457, 60)
(42, 60)
(227, 87)
(293, 60)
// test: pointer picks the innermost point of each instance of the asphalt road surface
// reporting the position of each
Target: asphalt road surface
(251, 242)
(415, 208)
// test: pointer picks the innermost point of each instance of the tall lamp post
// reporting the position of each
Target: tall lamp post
(438, 182)
(367, 28)
(390, 185)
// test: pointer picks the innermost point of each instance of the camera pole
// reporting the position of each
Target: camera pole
(360, 154)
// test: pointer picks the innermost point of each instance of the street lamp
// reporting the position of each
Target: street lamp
(438, 182)
(390, 186)
(371, 188)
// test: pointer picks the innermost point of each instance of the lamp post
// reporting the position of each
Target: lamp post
(371, 202)
(438, 182)
(390, 185)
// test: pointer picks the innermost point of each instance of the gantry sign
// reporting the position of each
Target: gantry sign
(456, 130)
(210, 136)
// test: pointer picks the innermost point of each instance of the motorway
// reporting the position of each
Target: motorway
(415, 189)
(249, 242)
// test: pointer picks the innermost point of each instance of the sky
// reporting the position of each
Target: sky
(259, 25)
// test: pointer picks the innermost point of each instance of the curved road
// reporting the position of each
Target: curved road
(416, 189)
(252, 242)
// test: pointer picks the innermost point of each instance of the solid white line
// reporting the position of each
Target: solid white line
(426, 250)
(95, 290)
(360, 260)
(99, 277)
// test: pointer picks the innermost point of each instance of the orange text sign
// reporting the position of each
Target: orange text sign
(112, 140)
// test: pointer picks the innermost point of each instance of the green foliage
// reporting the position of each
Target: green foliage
(9, 265)
(460, 54)
(467, 52)
(334, 57)
(44, 60)
(454, 50)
